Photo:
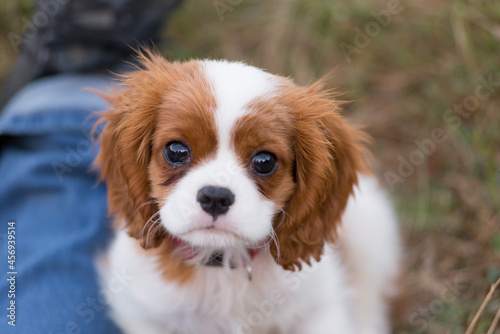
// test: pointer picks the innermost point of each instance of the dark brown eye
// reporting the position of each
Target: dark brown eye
(264, 163)
(176, 153)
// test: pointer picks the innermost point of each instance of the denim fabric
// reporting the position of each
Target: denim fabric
(48, 188)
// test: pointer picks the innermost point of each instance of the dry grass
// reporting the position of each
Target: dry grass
(480, 311)
(429, 57)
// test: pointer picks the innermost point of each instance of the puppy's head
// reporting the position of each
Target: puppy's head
(221, 155)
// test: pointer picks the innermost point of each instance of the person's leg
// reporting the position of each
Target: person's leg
(58, 212)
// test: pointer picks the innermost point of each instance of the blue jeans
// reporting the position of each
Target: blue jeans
(56, 208)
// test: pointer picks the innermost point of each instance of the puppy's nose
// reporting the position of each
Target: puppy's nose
(214, 200)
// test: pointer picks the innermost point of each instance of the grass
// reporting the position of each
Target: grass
(403, 85)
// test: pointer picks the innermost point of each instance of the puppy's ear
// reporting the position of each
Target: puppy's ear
(328, 157)
(126, 147)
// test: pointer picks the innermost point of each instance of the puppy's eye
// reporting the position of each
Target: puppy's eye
(264, 163)
(176, 153)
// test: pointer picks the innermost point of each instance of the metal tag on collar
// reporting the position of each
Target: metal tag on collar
(249, 271)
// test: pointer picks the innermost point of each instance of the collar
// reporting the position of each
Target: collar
(217, 258)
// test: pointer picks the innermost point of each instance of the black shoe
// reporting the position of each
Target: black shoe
(85, 36)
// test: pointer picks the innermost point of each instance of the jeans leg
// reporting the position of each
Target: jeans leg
(48, 189)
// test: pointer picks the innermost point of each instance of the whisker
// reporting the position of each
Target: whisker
(158, 225)
(149, 221)
(274, 238)
(284, 214)
(154, 201)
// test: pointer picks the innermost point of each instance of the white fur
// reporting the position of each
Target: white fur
(369, 241)
(343, 293)
(329, 297)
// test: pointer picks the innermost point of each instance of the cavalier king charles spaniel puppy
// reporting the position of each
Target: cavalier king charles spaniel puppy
(243, 204)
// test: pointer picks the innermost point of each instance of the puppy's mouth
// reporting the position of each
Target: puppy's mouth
(213, 237)
(213, 246)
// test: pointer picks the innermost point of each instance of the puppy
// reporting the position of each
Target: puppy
(242, 204)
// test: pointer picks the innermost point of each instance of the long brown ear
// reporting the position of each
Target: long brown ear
(328, 157)
(126, 146)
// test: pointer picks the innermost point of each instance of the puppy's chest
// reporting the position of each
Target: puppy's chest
(227, 301)
(212, 295)
(229, 291)
(217, 300)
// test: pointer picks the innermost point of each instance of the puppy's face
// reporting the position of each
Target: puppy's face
(222, 155)
(222, 162)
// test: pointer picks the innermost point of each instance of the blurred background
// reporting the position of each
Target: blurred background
(423, 78)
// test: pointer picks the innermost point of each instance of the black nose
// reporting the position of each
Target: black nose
(214, 200)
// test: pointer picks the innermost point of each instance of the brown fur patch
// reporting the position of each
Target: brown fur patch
(267, 128)
(161, 102)
(320, 155)
(185, 115)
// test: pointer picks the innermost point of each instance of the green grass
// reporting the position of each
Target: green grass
(428, 58)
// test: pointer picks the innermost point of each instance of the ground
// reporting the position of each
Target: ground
(423, 78)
